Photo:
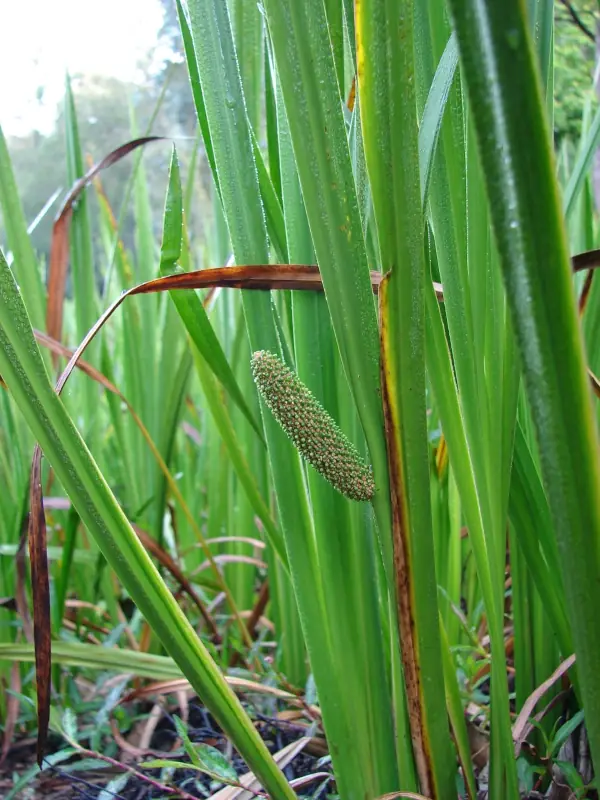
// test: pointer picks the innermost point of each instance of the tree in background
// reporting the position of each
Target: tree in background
(178, 101)
(575, 31)
(104, 110)
(104, 123)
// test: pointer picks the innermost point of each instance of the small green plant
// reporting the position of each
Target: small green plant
(311, 429)
(204, 759)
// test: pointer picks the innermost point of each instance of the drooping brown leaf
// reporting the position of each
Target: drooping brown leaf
(300, 277)
(261, 277)
(59, 246)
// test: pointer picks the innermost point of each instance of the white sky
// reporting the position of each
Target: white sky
(41, 39)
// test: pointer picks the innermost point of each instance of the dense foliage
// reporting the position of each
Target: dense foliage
(350, 474)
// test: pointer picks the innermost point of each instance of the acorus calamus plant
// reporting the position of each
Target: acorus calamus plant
(340, 134)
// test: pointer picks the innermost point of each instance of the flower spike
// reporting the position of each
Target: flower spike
(312, 430)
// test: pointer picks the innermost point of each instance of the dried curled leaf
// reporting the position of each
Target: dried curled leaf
(311, 429)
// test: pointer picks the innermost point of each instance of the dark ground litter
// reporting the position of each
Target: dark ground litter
(58, 783)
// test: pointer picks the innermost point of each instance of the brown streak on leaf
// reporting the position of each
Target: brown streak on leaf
(352, 95)
(402, 567)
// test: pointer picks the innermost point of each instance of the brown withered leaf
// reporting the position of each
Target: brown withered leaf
(59, 245)
(590, 259)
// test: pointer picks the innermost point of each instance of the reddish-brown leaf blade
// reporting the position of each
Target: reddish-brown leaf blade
(59, 246)
(590, 259)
